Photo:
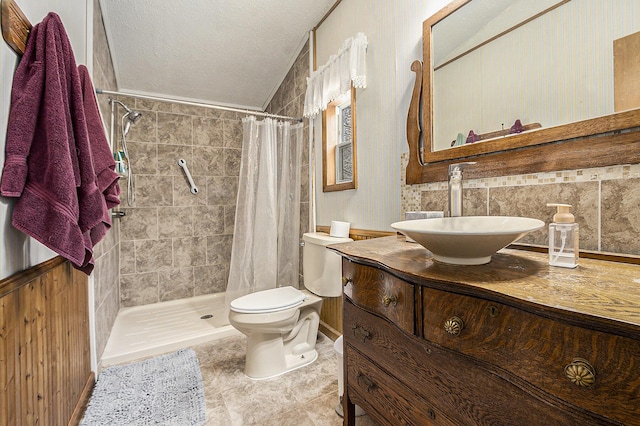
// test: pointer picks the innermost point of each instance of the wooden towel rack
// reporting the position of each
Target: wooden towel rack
(15, 26)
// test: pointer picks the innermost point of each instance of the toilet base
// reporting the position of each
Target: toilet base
(293, 362)
(272, 357)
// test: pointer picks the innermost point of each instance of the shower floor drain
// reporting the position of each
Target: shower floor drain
(206, 316)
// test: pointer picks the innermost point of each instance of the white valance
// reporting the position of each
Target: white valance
(348, 66)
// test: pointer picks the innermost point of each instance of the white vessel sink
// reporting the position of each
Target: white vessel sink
(467, 240)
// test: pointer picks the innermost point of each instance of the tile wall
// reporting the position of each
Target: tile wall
(106, 253)
(174, 244)
(605, 202)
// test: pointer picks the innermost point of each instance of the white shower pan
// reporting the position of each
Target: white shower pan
(148, 330)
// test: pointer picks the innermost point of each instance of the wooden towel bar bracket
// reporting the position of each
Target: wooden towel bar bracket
(15, 26)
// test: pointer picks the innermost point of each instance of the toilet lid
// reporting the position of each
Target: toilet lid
(272, 300)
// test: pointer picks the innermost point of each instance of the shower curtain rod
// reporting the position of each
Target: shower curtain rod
(197, 104)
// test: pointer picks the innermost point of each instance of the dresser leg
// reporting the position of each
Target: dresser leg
(349, 409)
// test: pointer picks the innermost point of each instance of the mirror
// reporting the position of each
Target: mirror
(567, 126)
(491, 62)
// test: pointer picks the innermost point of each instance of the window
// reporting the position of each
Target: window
(344, 153)
(339, 144)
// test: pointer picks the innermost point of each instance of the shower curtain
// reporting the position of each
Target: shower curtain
(265, 252)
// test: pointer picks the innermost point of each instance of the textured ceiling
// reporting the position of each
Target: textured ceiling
(225, 52)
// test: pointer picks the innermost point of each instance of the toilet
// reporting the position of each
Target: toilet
(281, 324)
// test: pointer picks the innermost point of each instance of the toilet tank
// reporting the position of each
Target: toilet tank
(322, 268)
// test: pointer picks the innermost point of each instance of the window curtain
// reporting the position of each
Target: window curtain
(347, 67)
(265, 250)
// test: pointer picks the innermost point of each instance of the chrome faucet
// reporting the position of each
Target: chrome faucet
(455, 188)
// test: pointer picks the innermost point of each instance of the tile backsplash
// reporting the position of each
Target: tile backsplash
(605, 202)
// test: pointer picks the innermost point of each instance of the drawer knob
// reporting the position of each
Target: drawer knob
(581, 372)
(493, 311)
(453, 325)
(361, 333)
(389, 300)
(346, 281)
(431, 413)
(366, 381)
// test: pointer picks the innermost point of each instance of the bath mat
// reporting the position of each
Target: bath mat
(165, 390)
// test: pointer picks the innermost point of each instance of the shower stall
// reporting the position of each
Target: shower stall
(175, 246)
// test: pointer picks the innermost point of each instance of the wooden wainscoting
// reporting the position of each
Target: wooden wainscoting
(358, 234)
(331, 317)
(331, 314)
(45, 366)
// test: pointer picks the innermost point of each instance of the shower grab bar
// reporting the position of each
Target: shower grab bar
(182, 163)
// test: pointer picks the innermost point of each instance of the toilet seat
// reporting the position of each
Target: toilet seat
(267, 301)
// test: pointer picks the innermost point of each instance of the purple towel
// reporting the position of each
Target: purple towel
(49, 163)
(103, 162)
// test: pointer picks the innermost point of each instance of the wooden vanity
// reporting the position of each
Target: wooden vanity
(513, 342)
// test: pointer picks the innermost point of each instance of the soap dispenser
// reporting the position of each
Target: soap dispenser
(563, 238)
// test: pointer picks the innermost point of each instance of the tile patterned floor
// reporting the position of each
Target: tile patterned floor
(305, 397)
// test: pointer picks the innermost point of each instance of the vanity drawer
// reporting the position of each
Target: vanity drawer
(541, 351)
(381, 293)
(447, 380)
(385, 398)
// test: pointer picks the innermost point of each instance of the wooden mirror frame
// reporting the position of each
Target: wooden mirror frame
(603, 141)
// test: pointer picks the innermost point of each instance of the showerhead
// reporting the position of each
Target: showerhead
(132, 117)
